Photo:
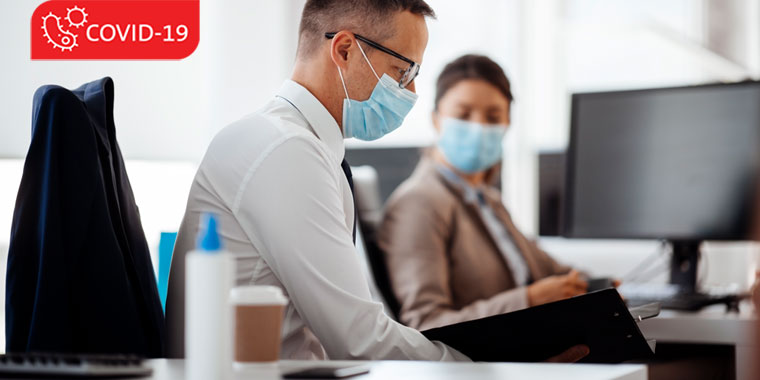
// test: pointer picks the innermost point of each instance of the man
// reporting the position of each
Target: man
(282, 190)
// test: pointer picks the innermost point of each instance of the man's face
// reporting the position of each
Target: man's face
(409, 40)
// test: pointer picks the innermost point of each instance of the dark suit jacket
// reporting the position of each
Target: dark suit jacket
(79, 277)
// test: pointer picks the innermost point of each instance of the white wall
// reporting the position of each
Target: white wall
(163, 109)
(166, 112)
(154, 100)
(250, 51)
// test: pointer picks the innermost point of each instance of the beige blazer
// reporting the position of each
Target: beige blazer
(443, 263)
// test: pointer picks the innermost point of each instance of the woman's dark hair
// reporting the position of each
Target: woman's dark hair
(472, 66)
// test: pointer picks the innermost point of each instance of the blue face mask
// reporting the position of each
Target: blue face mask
(379, 115)
(471, 147)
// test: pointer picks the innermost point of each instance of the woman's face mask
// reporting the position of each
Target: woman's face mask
(471, 147)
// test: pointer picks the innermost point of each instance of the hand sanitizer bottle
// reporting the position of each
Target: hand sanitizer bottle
(209, 275)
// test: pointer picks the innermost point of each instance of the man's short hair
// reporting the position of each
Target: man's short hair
(370, 18)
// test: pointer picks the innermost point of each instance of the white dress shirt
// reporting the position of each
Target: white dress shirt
(286, 213)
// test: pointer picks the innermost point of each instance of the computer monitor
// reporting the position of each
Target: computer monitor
(551, 188)
(673, 163)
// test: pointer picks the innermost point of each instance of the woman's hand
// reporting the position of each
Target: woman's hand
(555, 288)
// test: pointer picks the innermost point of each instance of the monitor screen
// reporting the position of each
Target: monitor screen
(673, 163)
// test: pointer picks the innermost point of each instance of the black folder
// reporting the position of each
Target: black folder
(599, 320)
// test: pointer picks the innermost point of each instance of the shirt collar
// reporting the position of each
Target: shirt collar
(316, 115)
(471, 194)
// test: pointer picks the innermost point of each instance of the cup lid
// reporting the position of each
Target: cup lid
(257, 295)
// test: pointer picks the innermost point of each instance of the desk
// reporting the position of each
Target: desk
(165, 369)
(711, 325)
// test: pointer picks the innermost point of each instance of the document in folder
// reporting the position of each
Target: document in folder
(599, 320)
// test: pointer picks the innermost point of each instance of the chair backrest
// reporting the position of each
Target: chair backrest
(369, 205)
(393, 165)
(369, 208)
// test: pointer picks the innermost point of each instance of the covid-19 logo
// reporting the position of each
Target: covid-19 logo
(115, 29)
(60, 35)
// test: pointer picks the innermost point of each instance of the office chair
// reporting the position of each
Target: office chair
(369, 208)
(79, 278)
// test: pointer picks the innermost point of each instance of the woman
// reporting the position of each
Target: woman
(452, 250)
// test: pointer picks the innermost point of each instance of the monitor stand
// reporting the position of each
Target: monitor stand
(683, 265)
(683, 273)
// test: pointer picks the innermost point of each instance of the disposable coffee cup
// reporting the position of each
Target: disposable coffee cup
(258, 314)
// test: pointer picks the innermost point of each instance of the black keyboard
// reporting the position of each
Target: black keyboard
(53, 365)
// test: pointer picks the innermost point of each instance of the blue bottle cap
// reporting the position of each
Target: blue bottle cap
(208, 237)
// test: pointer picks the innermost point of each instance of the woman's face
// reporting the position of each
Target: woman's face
(473, 100)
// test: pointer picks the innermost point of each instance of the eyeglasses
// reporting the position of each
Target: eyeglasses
(409, 74)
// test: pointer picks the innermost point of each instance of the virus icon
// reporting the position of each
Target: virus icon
(56, 35)
(78, 14)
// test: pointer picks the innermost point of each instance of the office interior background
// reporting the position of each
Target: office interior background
(166, 112)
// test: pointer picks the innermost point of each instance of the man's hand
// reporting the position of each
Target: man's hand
(556, 288)
(571, 355)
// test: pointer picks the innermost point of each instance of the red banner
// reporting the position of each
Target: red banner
(115, 29)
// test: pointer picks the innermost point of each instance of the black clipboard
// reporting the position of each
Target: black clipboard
(599, 320)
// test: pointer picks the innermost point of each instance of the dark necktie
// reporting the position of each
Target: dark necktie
(347, 171)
